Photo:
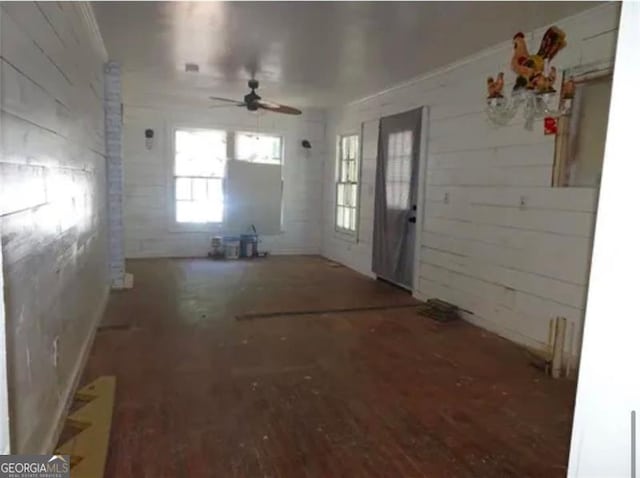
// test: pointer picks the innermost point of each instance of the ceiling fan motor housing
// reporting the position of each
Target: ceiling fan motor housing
(252, 98)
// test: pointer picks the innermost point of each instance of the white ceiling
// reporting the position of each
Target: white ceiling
(304, 53)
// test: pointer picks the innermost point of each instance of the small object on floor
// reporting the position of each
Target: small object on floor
(248, 245)
(217, 248)
(128, 280)
(231, 247)
(440, 310)
(88, 448)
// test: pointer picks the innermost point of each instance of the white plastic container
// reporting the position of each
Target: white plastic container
(231, 248)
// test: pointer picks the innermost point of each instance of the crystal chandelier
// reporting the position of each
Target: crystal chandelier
(533, 91)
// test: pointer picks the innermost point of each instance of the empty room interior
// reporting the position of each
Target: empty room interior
(322, 239)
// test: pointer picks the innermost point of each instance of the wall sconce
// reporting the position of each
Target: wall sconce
(148, 138)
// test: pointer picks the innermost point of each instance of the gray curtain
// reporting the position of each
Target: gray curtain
(396, 191)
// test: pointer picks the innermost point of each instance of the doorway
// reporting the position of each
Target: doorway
(396, 198)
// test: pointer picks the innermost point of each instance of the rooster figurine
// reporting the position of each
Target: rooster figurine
(568, 90)
(544, 84)
(494, 87)
(530, 68)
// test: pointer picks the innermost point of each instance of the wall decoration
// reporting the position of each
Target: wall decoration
(550, 125)
(534, 87)
(495, 86)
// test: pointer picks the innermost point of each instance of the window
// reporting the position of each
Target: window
(258, 148)
(347, 183)
(582, 134)
(399, 161)
(200, 160)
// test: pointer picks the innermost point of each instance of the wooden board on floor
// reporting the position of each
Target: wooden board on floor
(88, 449)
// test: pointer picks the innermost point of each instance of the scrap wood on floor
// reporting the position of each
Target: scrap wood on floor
(85, 437)
(440, 310)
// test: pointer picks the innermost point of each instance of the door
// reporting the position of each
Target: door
(394, 230)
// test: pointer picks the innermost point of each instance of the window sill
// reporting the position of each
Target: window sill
(212, 227)
(347, 236)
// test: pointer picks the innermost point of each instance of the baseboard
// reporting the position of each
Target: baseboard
(367, 273)
(50, 442)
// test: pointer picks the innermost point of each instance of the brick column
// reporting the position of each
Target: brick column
(115, 173)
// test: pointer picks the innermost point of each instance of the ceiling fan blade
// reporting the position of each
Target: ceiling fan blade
(278, 108)
(229, 105)
(228, 100)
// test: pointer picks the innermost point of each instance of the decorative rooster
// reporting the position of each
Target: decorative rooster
(530, 68)
(568, 89)
(494, 87)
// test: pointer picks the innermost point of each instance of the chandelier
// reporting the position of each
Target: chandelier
(533, 91)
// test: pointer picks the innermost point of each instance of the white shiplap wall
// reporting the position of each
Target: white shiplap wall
(52, 214)
(513, 266)
(148, 223)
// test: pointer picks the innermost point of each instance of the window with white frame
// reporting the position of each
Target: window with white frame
(199, 168)
(258, 148)
(347, 184)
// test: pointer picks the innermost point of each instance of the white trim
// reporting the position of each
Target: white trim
(421, 200)
(5, 429)
(50, 442)
(88, 15)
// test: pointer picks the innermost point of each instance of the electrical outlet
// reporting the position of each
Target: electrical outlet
(446, 198)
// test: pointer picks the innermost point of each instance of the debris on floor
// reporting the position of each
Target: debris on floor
(88, 447)
(440, 310)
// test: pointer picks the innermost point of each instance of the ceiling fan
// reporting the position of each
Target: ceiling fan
(253, 102)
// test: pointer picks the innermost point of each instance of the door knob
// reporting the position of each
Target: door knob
(412, 220)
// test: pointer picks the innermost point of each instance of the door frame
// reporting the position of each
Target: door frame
(5, 430)
(421, 200)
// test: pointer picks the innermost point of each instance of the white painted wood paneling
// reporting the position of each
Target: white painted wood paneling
(148, 224)
(53, 213)
(503, 244)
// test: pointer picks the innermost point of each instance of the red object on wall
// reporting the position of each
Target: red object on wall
(550, 125)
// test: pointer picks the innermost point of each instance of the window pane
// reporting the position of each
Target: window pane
(258, 148)
(200, 152)
(184, 211)
(347, 194)
(345, 148)
(398, 172)
(407, 142)
(341, 195)
(183, 188)
(354, 195)
(347, 218)
(340, 217)
(351, 171)
(354, 147)
(199, 190)
(353, 219)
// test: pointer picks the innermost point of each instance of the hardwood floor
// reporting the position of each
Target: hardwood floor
(376, 393)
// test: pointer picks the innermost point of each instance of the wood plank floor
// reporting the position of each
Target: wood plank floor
(378, 393)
